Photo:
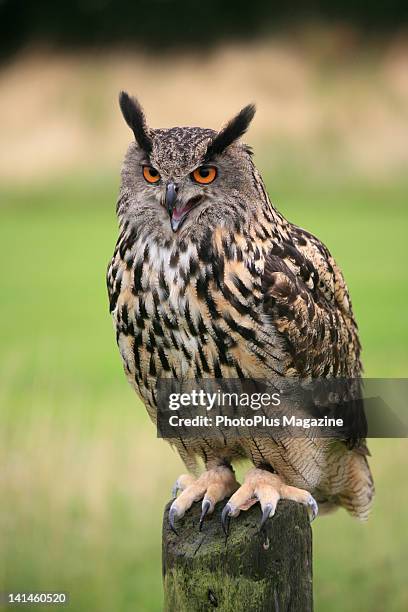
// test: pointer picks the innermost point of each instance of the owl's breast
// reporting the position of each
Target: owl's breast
(180, 316)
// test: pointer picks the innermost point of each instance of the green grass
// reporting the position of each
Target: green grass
(83, 478)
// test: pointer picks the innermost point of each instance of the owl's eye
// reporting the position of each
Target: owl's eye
(204, 174)
(151, 174)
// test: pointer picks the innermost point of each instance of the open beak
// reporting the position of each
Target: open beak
(171, 199)
(178, 210)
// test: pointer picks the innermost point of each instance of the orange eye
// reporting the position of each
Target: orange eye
(204, 174)
(150, 174)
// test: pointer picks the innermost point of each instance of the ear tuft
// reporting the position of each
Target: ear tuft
(134, 117)
(231, 132)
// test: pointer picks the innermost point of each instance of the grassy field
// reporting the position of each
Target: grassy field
(83, 478)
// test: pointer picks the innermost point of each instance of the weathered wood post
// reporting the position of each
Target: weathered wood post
(251, 571)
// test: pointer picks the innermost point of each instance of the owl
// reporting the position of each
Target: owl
(208, 280)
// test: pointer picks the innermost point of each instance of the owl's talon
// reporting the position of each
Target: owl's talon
(267, 488)
(172, 515)
(267, 512)
(175, 489)
(314, 508)
(182, 483)
(226, 518)
(205, 508)
(212, 486)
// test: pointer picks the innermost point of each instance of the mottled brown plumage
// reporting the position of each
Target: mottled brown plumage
(235, 292)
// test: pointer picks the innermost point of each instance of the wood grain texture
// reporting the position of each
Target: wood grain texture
(249, 570)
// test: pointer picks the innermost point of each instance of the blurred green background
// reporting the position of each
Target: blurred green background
(83, 478)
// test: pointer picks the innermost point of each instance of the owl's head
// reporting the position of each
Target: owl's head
(181, 179)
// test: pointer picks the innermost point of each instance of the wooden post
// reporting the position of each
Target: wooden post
(251, 571)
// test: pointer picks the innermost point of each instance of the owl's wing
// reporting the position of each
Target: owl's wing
(111, 284)
(115, 270)
(307, 301)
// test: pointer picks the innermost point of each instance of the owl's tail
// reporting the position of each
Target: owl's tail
(358, 494)
(350, 483)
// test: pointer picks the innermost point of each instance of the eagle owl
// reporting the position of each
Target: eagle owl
(209, 280)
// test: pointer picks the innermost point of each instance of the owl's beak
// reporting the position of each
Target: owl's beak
(178, 210)
(171, 197)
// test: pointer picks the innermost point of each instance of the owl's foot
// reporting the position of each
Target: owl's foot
(267, 489)
(212, 486)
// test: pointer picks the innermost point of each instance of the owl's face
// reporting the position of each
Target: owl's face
(180, 180)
